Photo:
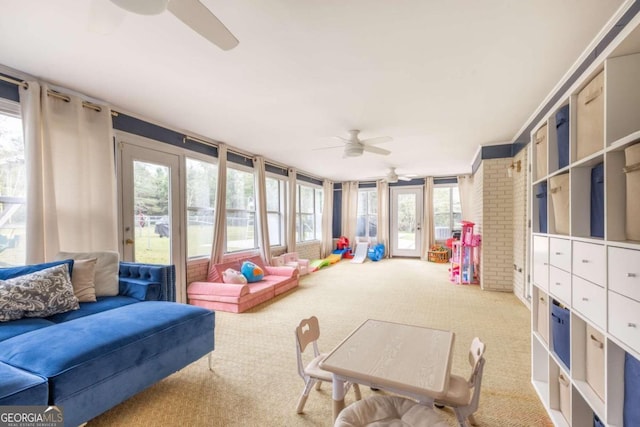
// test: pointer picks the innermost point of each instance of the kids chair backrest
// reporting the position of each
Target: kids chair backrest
(308, 332)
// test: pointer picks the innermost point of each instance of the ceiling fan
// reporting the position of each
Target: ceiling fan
(392, 177)
(354, 146)
(191, 12)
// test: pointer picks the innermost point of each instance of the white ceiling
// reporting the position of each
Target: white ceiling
(441, 77)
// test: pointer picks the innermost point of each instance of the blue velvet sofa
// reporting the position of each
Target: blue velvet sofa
(88, 360)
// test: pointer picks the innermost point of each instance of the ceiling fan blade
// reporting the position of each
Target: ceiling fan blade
(327, 148)
(376, 150)
(377, 140)
(202, 21)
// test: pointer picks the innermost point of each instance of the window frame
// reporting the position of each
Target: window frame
(282, 200)
(251, 171)
(368, 214)
(316, 214)
(452, 224)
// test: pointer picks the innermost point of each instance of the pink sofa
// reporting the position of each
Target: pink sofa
(214, 294)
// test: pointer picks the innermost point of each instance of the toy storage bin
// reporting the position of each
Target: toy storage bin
(631, 411)
(632, 172)
(597, 422)
(562, 136)
(565, 394)
(590, 118)
(543, 317)
(597, 201)
(595, 360)
(560, 329)
(559, 189)
(541, 152)
(541, 195)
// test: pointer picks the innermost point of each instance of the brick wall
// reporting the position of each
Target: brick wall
(308, 250)
(197, 270)
(494, 218)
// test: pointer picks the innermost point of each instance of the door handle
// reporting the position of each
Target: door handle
(129, 242)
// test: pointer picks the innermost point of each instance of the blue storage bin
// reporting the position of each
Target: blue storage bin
(597, 422)
(560, 327)
(631, 411)
(562, 133)
(541, 195)
(597, 201)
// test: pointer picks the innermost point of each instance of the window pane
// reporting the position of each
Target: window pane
(361, 226)
(273, 194)
(456, 208)
(373, 202)
(241, 225)
(373, 225)
(12, 192)
(202, 180)
(274, 220)
(362, 202)
(306, 199)
(307, 227)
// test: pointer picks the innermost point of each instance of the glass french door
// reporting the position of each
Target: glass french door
(406, 221)
(150, 213)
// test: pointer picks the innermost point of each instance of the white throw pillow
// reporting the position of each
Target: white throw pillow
(82, 279)
(107, 268)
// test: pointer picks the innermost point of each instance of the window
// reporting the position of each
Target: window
(275, 209)
(367, 220)
(12, 187)
(309, 213)
(446, 211)
(202, 182)
(241, 211)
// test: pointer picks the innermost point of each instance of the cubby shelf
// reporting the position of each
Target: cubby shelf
(588, 264)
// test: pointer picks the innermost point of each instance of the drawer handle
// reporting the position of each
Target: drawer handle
(558, 253)
(631, 274)
(596, 342)
(585, 261)
(631, 325)
(585, 299)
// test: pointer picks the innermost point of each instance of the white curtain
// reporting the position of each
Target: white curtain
(262, 218)
(382, 187)
(350, 210)
(327, 219)
(291, 210)
(220, 226)
(72, 197)
(428, 229)
(465, 186)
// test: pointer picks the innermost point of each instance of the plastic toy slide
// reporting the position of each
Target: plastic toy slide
(361, 253)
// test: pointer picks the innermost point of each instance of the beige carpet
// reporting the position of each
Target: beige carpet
(255, 382)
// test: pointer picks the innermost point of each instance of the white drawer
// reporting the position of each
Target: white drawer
(560, 253)
(624, 272)
(624, 320)
(541, 262)
(560, 285)
(589, 262)
(590, 301)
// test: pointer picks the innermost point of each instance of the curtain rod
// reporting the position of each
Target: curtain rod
(55, 94)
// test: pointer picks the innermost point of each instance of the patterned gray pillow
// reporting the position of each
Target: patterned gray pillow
(39, 294)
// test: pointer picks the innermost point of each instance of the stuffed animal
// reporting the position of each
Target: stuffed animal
(233, 276)
(251, 271)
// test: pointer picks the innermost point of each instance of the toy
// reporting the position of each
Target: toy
(317, 264)
(251, 271)
(333, 258)
(376, 252)
(343, 243)
(233, 276)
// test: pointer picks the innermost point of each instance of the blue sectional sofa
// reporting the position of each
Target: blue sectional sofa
(88, 360)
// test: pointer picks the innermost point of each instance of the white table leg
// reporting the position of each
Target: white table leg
(338, 396)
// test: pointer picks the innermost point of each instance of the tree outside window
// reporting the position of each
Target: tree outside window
(241, 211)
(275, 208)
(202, 184)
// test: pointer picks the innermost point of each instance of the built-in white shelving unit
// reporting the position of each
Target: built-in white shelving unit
(596, 278)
